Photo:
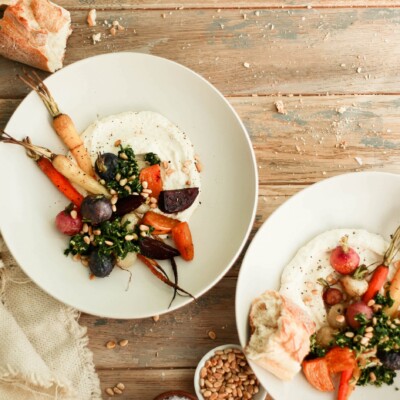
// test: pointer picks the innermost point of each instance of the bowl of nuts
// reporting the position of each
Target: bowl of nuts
(223, 373)
(175, 395)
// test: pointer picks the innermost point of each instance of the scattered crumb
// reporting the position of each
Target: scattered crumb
(117, 143)
(342, 110)
(110, 344)
(91, 18)
(96, 37)
(257, 13)
(280, 107)
(359, 160)
(212, 335)
(246, 65)
(359, 69)
(156, 318)
(323, 172)
(343, 65)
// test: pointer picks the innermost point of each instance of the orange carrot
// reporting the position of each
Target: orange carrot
(161, 224)
(62, 123)
(152, 175)
(317, 374)
(182, 238)
(60, 181)
(340, 359)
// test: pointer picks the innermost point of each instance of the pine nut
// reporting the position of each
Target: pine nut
(369, 329)
(108, 242)
(114, 199)
(349, 334)
(117, 391)
(212, 335)
(145, 184)
(143, 228)
(114, 207)
(123, 342)
(123, 156)
(117, 178)
(74, 214)
(371, 303)
(128, 238)
(156, 318)
(110, 344)
(85, 228)
(109, 391)
(86, 239)
(97, 232)
(123, 182)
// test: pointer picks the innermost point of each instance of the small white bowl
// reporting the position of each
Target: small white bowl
(259, 396)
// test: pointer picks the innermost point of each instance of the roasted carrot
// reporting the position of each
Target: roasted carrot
(62, 123)
(161, 224)
(182, 238)
(344, 386)
(381, 272)
(63, 165)
(156, 269)
(317, 374)
(60, 181)
(340, 359)
(394, 291)
(152, 175)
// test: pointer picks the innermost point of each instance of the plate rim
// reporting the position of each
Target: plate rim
(254, 169)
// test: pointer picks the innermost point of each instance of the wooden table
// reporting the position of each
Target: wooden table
(334, 64)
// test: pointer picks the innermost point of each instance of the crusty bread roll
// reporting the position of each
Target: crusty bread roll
(35, 32)
(280, 334)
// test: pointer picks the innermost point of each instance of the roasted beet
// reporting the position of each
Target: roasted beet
(128, 204)
(172, 201)
(96, 209)
(100, 265)
(106, 166)
(156, 249)
(390, 359)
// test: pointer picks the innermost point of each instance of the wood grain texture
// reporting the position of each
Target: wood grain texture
(220, 4)
(307, 51)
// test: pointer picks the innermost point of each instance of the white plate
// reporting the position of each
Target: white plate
(368, 200)
(110, 84)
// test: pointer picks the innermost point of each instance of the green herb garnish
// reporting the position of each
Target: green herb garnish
(127, 170)
(152, 158)
(377, 375)
(111, 240)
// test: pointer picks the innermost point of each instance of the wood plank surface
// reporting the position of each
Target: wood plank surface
(334, 67)
(219, 4)
(307, 51)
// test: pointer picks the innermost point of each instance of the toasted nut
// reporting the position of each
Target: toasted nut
(117, 391)
(110, 344)
(120, 386)
(109, 391)
(123, 342)
(156, 318)
(212, 335)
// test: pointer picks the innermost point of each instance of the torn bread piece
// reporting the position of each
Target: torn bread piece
(35, 32)
(280, 334)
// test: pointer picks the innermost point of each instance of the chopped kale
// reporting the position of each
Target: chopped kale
(315, 349)
(152, 158)
(128, 170)
(110, 241)
(377, 375)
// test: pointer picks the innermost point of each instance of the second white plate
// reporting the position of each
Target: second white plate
(367, 200)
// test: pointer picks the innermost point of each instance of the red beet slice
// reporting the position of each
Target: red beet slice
(156, 249)
(173, 201)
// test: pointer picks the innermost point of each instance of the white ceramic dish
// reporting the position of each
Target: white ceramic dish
(259, 396)
(110, 84)
(368, 200)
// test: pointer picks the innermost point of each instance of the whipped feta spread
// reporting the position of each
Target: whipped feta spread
(146, 132)
(299, 280)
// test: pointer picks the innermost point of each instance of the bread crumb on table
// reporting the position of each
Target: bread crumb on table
(96, 37)
(91, 18)
(280, 107)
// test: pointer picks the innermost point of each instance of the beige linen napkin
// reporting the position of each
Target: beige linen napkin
(43, 349)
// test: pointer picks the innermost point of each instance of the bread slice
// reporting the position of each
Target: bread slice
(35, 32)
(280, 334)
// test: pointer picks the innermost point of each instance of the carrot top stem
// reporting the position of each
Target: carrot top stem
(38, 150)
(393, 248)
(35, 83)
